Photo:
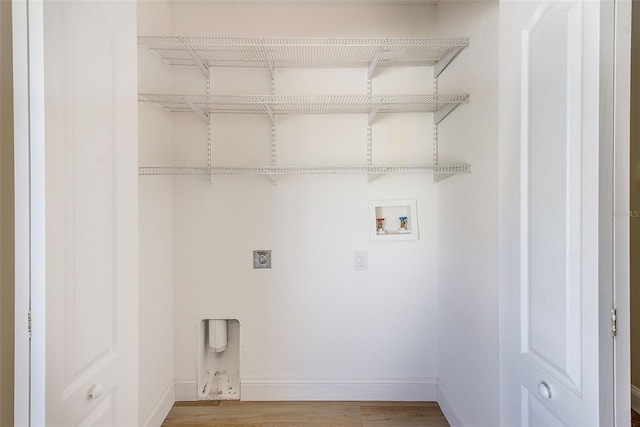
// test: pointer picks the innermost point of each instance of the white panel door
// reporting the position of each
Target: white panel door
(550, 145)
(91, 213)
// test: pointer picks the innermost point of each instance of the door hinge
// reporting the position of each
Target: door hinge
(614, 322)
(29, 323)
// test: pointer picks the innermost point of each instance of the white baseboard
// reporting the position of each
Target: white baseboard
(387, 389)
(162, 407)
(449, 408)
(269, 389)
(635, 398)
(186, 389)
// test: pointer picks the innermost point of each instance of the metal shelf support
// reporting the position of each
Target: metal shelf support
(372, 114)
(274, 129)
(372, 177)
(269, 110)
(374, 63)
(267, 60)
(209, 136)
(206, 118)
(443, 112)
(204, 68)
(439, 67)
(437, 177)
(274, 152)
(199, 111)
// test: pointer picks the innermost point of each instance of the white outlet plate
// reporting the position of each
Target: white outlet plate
(360, 260)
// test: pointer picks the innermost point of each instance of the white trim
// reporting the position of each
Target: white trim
(162, 407)
(417, 389)
(364, 389)
(621, 239)
(311, 2)
(29, 153)
(635, 398)
(449, 408)
(186, 390)
(37, 211)
(20, 35)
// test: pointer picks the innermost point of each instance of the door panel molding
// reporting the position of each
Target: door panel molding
(91, 79)
(554, 319)
(90, 190)
(559, 28)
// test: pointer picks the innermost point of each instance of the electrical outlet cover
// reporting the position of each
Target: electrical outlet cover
(262, 259)
(360, 261)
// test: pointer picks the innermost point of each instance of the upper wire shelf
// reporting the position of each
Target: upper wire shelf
(306, 52)
(321, 104)
(293, 170)
(439, 171)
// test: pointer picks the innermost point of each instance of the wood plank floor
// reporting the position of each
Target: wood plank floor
(317, 414)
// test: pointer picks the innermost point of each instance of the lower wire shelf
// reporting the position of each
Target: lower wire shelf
(439, 171)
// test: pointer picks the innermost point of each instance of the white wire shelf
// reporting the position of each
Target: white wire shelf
(298, 170)
(310, 52)
(327, 104)
(274, 53)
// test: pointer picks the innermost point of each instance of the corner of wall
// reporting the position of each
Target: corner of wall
(468, 299)
(162, 407)
(156, 393)
(449, 407)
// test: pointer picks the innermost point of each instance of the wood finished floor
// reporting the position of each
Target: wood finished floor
(317, 414)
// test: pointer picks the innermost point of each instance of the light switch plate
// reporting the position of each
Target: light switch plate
(262, 259)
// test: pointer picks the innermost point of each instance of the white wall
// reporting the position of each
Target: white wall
(156, 390)
(467, 222)
(312, 327)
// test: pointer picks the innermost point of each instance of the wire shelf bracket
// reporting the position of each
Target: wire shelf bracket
(374, 63)
(269, 111)
(274, 151)
(372, 114)
(437, 177)
(441, 113)
(204, 68)
(204, 115)
(444, 62)
(372, 177)
(267, 60)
